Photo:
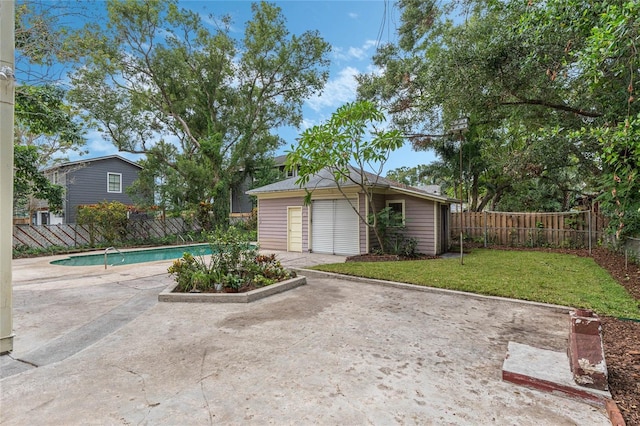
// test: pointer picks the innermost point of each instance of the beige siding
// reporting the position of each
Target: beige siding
(272, 223)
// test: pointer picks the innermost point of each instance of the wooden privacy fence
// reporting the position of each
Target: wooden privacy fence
(73, 235)
(567, 229)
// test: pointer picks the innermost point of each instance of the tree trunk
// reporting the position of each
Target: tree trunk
(474, 193)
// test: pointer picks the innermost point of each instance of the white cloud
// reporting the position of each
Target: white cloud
(353, 15)
(354, 52)
(337, 91)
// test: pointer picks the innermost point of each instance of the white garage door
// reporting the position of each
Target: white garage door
(334, 227)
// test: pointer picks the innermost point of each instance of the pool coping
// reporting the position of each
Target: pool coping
(168, 295)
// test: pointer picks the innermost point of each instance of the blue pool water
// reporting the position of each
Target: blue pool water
(135, 256)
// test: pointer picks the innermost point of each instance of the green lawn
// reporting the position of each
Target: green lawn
(542, 277)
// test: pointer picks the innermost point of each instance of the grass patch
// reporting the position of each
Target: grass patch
(537, 276)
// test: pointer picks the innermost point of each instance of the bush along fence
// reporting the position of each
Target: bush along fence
(73, 235)
(581, 229)
(631, 249)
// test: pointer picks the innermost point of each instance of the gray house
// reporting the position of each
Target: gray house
(331, 225)
(88, 182)
(240, 203)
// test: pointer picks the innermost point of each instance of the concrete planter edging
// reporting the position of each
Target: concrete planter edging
(167, 295)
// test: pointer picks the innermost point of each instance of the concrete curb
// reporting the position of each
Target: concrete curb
(167, 295)
(311, 273)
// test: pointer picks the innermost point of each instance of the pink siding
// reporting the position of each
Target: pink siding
(420, 223)
(380, 203)
(363, 227)
(272, 223)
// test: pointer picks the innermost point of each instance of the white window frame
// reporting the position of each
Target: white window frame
(54, 178)
(119, 191)
(402, 202)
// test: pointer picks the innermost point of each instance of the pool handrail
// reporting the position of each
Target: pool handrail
(180, 237)
(106, 251)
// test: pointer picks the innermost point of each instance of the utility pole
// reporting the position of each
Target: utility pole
(7, 96)
(460, 126)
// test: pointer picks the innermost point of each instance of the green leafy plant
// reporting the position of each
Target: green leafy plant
(184, 269)
(234, 263)
(108, 219)
(391, 228)
(262, 281)
(233, 281)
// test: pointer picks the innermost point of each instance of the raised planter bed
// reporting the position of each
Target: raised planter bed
(168, 295)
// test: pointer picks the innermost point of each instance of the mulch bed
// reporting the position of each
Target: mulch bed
(620, 337)
(621, 340)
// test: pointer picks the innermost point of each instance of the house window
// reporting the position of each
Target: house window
(114, 182)
(397, 206)
(54, 178)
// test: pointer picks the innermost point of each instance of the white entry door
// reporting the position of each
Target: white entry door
(294, 229)
(334, 228)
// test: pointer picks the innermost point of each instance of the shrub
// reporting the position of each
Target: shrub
(234, 263)
(393, 231)
(108, 219)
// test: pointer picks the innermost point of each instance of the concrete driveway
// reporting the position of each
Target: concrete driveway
(97, 348)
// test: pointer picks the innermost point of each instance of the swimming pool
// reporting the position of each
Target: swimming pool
(135, 256)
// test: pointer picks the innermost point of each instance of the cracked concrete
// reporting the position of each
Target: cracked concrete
(331, 352)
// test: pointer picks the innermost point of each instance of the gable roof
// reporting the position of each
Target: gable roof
(280, 160)
(91, 160)
(324, 180)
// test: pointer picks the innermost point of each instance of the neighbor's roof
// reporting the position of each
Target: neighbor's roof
(280, 160)
(324, 180)
(91, 160)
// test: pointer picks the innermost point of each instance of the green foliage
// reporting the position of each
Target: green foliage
(340, 144)
(414, 176)
(108, 219)
(231, 249)
(218, 98)
(234, 263)
(44, 120)
(528, 275)
(28, 181)
(392, 229)
(528, 75)
(620, 198)
(185, 269)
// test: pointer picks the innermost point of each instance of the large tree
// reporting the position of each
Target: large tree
(351, 149)
(162, 77)
(529, 75)
(46, 128)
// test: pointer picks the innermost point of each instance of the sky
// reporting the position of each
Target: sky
(353, 29)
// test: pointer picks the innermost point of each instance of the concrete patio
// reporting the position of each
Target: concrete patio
(95, 347)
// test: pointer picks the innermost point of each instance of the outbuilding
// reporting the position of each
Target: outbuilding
(331, 224)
